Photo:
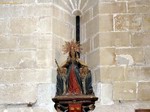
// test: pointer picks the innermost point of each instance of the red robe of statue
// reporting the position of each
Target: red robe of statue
(74, 87)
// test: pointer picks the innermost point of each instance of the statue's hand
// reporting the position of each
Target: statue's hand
(83, 71)
(62, 71)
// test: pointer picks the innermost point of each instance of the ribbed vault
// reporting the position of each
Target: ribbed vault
(76, 7)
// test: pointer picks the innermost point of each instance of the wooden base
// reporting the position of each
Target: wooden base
(142, 110)
(74, 103)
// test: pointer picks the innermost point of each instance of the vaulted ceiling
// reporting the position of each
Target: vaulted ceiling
(73, 5)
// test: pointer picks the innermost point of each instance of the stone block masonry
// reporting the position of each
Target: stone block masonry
(116, 41)
(31, 36)
(116, 46)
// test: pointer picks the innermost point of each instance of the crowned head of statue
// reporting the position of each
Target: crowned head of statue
(72, 48)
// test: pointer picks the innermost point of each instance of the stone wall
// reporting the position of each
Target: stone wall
(116, 44)
(31, 35)
(115, 36)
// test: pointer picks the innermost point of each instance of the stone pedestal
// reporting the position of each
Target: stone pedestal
(75, 103)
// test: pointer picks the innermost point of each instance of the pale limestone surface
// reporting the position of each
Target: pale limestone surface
(95, 55)
(122, 38)
(114, 39)
(23, 25)
(140, 39)
(18, 93)
(116, 47)
(107, 56)
(143, 90)
(92, 27)
(124, 91)
(114, 7)
(111, 74)
(128, 22)
(106, 94)
(28, 29)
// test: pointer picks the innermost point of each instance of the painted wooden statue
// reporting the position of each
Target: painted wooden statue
(74, 77)
(74, 81)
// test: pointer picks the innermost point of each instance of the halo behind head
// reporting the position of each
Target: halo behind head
(68, 46)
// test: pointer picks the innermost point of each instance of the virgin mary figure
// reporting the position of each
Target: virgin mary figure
(73, 77)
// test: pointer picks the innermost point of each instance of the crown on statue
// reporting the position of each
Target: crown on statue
(68, 46)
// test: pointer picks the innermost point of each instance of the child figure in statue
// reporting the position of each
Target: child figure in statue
(74, 77)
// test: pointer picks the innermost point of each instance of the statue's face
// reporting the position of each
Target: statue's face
(72, 52)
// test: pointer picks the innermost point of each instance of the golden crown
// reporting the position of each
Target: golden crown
(71, 45)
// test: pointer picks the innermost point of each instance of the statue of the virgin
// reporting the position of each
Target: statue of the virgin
(73, 76)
